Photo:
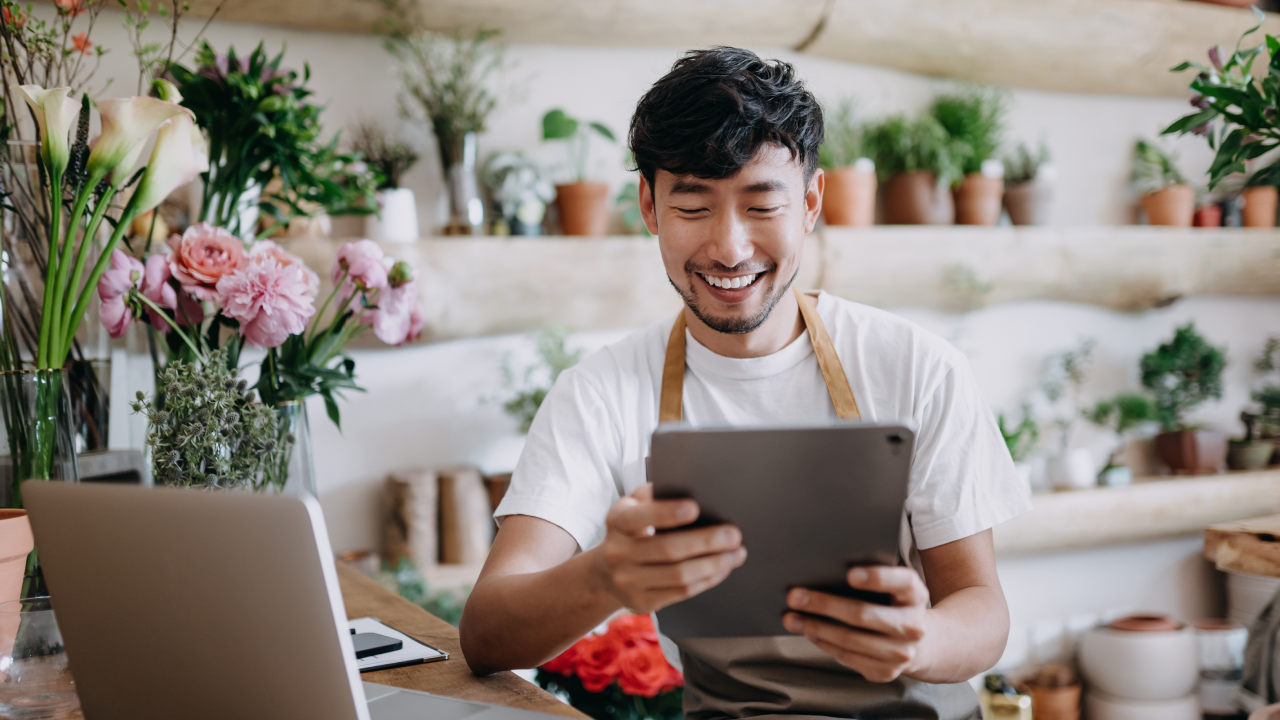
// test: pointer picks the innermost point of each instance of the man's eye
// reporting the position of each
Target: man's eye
(765, 210)
(690, 211)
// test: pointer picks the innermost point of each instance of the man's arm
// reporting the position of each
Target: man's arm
(537, 594)
(962, 635)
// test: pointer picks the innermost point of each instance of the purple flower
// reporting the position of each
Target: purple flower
(1215, 57)
(1199, 101)
(1201, 129)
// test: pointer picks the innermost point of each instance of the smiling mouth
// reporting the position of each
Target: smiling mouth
(730, 283)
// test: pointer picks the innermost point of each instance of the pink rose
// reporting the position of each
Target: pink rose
(113, 290)
(157, 288)
(202, 256)
(399, 317)
(266, 247)
(270, 300)
(363, 263)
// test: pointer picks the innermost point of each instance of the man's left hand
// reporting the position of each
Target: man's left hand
(881, 642)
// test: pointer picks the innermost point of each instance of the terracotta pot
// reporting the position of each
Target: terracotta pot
(1173, 206)
(849, 197)
(1231, 3)
(584, 208)
(1192, 452)
(915, 198)
(1259, 206)
(16, 542)
(978, 199)
(1207, 216)
(1250, 456)
(1055, 703)
(1028, 203)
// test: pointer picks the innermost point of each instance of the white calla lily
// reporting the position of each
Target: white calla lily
(167, 91)
(126, 123)
(179, 156)
(56, 114)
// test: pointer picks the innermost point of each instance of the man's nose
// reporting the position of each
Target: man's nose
(731, 243)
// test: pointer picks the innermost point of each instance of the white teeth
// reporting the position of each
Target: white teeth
(730, 283)
(737, 282)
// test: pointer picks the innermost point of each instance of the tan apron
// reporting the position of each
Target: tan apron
(787, 675)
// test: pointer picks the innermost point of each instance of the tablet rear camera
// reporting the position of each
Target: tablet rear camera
(896, 439)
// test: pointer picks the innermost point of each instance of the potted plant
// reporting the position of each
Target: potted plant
(1120, 415)
(520, 191)
(975, 121)
(849, 197)
(397, 217)
(1252, 452)
(1259, 209)
(1070, 468)
(1021, 440)
(1028, 185)
(584, 206)
(1181, 374)
(1267, 427)
(916, 164)
(445, 78)
(1166, 196)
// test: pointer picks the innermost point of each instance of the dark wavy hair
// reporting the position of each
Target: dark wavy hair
(709, 116)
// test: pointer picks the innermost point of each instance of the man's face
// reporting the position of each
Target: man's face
(732, 246)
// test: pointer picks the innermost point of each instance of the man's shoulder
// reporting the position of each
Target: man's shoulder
(634, 356)
(875, 333)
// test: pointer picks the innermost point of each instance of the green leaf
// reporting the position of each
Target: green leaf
(606, 132)
(331, 409)
(556, 125)
(1189, 122)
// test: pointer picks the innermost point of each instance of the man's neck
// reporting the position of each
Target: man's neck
(782, 327)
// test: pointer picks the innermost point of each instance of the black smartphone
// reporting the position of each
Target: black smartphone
(370, 644)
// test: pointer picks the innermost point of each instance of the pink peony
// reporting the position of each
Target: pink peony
(266, 247)
(157, 288)
(270, 300)
(203, 256)
(400, 316)
(113, 291)
(364, 264)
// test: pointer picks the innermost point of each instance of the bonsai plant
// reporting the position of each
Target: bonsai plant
(916, 162)
(1166, 196)
(1235, 110)
(1021, 440)
(520, 190)
(974, 120)
(849, 197)
(1181, 374)
(397, 218)
(1069, 468)
(1028, 185)
(584, 206)
(1120, 415)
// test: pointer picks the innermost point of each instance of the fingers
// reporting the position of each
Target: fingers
(876, 671)
(695, 572)
(870, 645)
(902, 583)
(685, 544)
(656, 598)
(899, 622)
(637, 515)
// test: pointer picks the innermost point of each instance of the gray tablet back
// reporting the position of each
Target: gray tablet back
(811, 501)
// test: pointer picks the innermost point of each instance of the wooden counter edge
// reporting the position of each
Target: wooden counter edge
(363, 597)
(1245, 546)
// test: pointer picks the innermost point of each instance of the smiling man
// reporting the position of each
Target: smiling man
(726, 144)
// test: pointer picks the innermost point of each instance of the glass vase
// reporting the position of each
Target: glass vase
(466, 209)
(35, 680)
(37, 440)
(290, 470)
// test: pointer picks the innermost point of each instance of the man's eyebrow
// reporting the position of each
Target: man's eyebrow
(688, 186)
(765, 186)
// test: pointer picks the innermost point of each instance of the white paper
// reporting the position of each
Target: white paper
(412, 651)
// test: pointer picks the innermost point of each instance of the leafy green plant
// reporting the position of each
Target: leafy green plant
(389, 157)
(1236, 110)
(1022, 165)
(530, 390)
(1182, 374)
(1154, 168)
(1120, 415)
(556, 125)
(1268, 396)
(1062, 384)
(1021, 438)
(405, 580)
(262, 128)
(845, 141)
(898, 145)
(975, 121)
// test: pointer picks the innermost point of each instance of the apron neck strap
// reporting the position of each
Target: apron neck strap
(671, 400)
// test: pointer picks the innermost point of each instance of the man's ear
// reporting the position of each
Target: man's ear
(813, 199)
(647, 210)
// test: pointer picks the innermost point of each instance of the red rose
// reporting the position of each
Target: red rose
(598, 657)
(675, 679)
(634, 630)
(643, 671)
(565, 662)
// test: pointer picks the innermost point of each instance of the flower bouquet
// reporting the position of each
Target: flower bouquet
(620, 674)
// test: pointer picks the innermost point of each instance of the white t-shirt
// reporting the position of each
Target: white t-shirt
(588, 443)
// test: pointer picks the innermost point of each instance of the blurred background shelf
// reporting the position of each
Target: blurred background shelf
(491, 286)
(1073, 46)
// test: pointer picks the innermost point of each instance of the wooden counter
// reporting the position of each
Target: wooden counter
(452, 678)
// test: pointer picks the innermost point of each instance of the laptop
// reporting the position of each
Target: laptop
(191, 604)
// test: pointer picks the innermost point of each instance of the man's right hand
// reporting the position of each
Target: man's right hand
(647, 570)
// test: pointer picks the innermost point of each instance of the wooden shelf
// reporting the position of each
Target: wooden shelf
(1147, 510)
(489, 286)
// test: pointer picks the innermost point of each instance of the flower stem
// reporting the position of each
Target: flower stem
(173, 323)
(51, 269)
(82, 257)
(333, 293)
(99, 267)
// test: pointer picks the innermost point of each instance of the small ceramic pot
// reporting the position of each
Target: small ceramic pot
(1116, 476)
(399, 217)
(1028, 202)
(978, 199)
(1259, 206)
(584, 208)
(1055, 703)
(1192, 452)
(1073, 470)
(850, 196)
(1172, 206)
(1254, 455)
(1207, 216)
(1154, 661)
(915, 198)
(1101, 706)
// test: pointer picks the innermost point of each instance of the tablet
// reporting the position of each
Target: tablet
(811, 501)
